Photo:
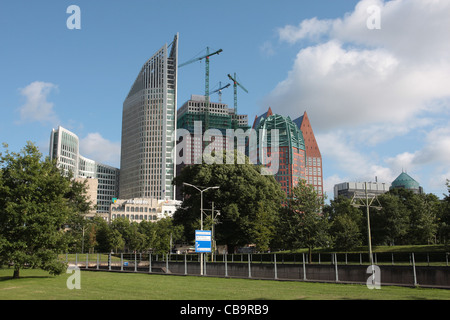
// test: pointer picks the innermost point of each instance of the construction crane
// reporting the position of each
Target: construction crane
(206, 57)
(235, 85)
(220, 90)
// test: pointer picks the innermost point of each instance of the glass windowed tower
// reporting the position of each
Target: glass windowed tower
(148, 129)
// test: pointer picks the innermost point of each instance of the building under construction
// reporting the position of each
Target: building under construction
(217, 116)
(213, 115)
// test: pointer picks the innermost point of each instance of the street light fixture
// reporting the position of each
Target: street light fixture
(201, 214)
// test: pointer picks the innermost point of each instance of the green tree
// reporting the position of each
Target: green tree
(444, 217)
(36, 203)
(346, 222)
(263, 228)
(121, 226)
(424, 211)
(302, 222)
(136, 240)
(165, 234)
(107, 239)
(390, 225)
(243, 190)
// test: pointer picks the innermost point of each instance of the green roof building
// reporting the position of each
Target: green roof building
(405, 181)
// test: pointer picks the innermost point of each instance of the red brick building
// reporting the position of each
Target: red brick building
(299, 154)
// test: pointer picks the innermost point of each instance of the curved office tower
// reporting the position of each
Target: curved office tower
(65, 149)
(148, 123)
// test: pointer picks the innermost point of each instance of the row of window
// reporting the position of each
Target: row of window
(313, 161)
(134, 209)
(317, 171)
(136, 217)
(315, 180)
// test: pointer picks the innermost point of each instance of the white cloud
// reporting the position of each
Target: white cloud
(267, 49)
(97, 148)
(36, 107)
(365, 88)
(310, 28)
(359, 77)
(436, 151)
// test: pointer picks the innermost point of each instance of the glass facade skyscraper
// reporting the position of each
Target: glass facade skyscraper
(65, 149)
(148, 129)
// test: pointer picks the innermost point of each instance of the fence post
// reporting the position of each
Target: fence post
(150, 263)
(275, 265)
(304, 267)
(185, 264)
(226, 264)
(87, 260)
(336, 267)
(121, 261)
(414, 269)
(109, 261)
(98, 258)
(249, 267)
(135, 262)
(167, 263)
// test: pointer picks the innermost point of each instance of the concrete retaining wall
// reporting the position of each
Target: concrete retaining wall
(389, 275)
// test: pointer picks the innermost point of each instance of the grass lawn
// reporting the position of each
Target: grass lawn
(38, 284)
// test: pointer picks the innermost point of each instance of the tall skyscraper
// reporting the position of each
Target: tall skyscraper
(103, 180)
(148, 122)
(314, 172)
(291, 153)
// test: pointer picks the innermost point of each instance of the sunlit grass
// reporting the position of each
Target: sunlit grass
(37, 284)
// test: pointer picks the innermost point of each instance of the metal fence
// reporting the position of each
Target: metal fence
(428, 269)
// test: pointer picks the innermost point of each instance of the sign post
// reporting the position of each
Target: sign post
(202, 244)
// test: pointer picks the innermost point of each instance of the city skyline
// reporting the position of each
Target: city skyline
(378, 99)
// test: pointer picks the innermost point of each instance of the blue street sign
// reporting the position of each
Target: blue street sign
(202, 241)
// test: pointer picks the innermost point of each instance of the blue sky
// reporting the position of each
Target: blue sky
(378, 99)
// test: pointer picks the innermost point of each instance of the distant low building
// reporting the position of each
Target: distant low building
(349, 189)
(142, 209)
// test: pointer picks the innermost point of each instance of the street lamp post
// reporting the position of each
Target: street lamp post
(201, 215)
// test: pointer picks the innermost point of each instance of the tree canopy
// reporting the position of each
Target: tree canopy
(36, 203)
(249, 202)
(302, 223)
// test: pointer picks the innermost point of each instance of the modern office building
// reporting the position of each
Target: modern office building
(291, 152)
(148, 126)
(351, 189)
(65, 149)
(313, 170)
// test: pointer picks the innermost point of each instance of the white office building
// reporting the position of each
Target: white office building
(65, 149)
(148, 122)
